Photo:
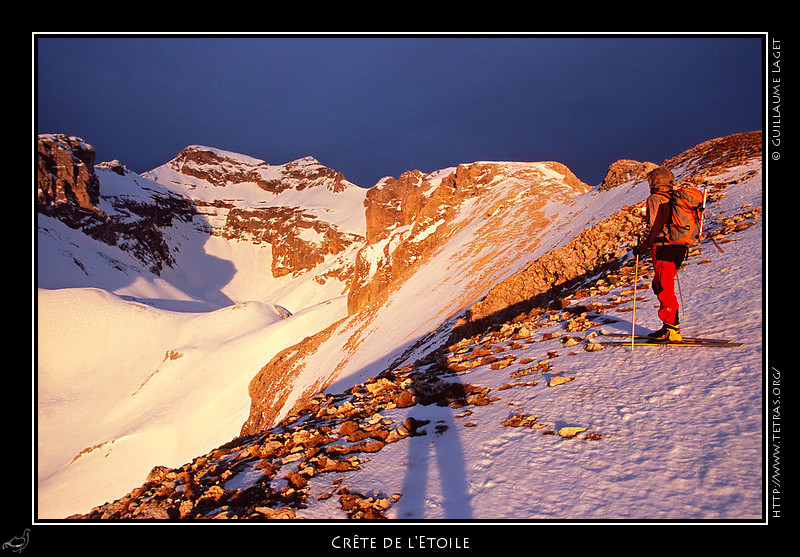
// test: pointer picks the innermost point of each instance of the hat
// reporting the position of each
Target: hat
(660, 178)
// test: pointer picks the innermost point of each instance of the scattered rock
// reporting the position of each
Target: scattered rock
(569, 432)
(521, 420)
(281, 513)
(361, 506)
(559, 380)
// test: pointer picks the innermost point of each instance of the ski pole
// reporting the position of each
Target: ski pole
(635, 283)
(703, 216)
(703, 220)
(680, 293)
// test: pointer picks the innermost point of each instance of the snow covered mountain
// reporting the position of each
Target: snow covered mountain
(431, 352)
(307, 215)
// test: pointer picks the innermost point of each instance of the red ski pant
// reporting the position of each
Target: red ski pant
(664, 288)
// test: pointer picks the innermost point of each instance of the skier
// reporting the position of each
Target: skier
(667, 257)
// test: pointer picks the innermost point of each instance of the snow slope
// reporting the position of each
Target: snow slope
(152, 387)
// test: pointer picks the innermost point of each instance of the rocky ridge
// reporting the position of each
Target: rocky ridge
(408, 218)
(517, 328)
(222, 169)
(472, 214)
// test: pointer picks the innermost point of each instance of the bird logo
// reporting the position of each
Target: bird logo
(18, 543)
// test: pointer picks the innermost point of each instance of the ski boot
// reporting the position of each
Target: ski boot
(667, 333)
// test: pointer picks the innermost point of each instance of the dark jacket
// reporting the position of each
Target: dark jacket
(658, 213)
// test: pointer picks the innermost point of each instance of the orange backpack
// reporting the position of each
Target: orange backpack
(687, 207)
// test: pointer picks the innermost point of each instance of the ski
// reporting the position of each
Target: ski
(709, 343)
(685, 339)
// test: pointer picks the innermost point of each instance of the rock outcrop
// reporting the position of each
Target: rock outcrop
(65, 179)
(715, 155)
(625, 170)
(300, 241)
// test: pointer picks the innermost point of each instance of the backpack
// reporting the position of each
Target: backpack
(687, 206)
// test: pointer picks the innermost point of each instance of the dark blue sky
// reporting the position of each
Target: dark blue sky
(376, 106)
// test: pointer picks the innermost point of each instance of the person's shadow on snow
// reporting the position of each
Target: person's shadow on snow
(435, 482)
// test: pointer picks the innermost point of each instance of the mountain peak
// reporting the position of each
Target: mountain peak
(199, 168)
